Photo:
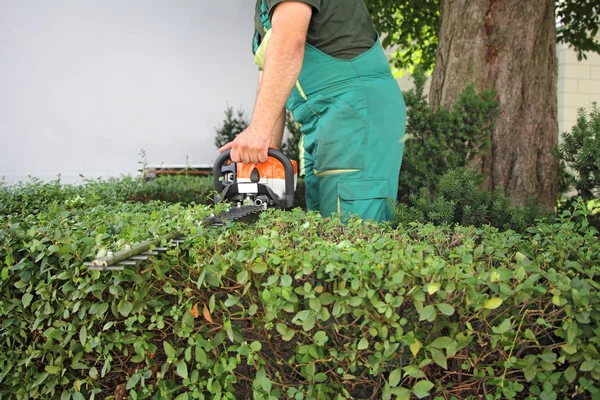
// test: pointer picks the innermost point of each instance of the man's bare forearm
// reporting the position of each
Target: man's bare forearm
(284, 57)
(277, 134)
(283, 63)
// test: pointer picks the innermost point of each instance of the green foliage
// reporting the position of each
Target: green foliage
(580, 152)
(296, 306)
(457, 199)
(578, 25)
(232, 126)
(290, 147)
(176, 189)
(35, 196)
(411, 27)
(443, 140)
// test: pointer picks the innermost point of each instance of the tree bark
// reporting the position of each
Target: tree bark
(510, 46)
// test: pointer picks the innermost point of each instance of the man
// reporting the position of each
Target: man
(322, 60)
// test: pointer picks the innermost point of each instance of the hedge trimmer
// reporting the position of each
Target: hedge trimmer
(250, 189)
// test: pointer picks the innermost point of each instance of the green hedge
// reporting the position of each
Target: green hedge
(296, 306)
(34, 195)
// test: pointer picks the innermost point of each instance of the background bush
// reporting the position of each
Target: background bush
(580, 152)
(232, 126)
(34, 196)
(457, 199)
(440, 141)
(295, 306)
(579, 156)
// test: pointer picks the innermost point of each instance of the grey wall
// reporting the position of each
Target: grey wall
(85, 85)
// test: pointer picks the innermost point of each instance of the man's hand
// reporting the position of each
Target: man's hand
(250, 146)
(283, 63)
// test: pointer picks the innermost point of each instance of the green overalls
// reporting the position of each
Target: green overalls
(353, 119)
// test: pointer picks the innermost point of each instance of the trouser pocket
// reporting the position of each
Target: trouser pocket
(368, 199)
(340, 137)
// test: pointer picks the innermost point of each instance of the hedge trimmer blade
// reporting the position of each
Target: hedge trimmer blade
(133, 255)
(268, 184)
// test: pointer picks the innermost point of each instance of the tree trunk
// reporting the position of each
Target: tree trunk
(510, 46)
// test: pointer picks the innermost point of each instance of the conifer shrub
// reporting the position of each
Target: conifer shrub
(442, 140)
(580, 152)
(457, 199)
(579, 157)
(232, 126)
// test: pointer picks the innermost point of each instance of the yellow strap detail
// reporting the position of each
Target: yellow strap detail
(259, 57)
(301, 156)
(301, 90)
(334, 172)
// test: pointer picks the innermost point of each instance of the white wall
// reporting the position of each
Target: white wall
(84, 85)
(578, 85)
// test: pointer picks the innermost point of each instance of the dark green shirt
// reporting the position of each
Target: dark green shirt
(339, 28)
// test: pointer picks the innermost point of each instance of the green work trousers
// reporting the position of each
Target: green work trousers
(353, 120)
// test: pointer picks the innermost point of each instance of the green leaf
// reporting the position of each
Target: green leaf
(320, 338)
(182, 369)
(252, 309)
(426, 313)
(256, 346)
(413, 372)
(259, 267)
(433, 288)
(125, 309)
(569, 348)
(320, 377)
(398, 277)
(131, 382)
(169, 350)
(53, 333)
(421, 389)
(478, 251)
(394, 378)
(53, 248)
(492, 304)
(363, 344)
(439, 358)
(441, 343)
(83, 335)
(446, 309)
(572, 332)
(503, 327)
(308, 323)
(242, 277)
(314, 304)
(355, 301)
(289, 335)
(4, 273)
(529, 334)
(587, 365)
(570, 374)
(182, 396)
(53, 369)
(415, 347)
(26, 299)
(231, 301)
(286, 281)
(266, 295)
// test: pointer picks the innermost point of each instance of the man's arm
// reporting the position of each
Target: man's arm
(283, 63)
(277, 135)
